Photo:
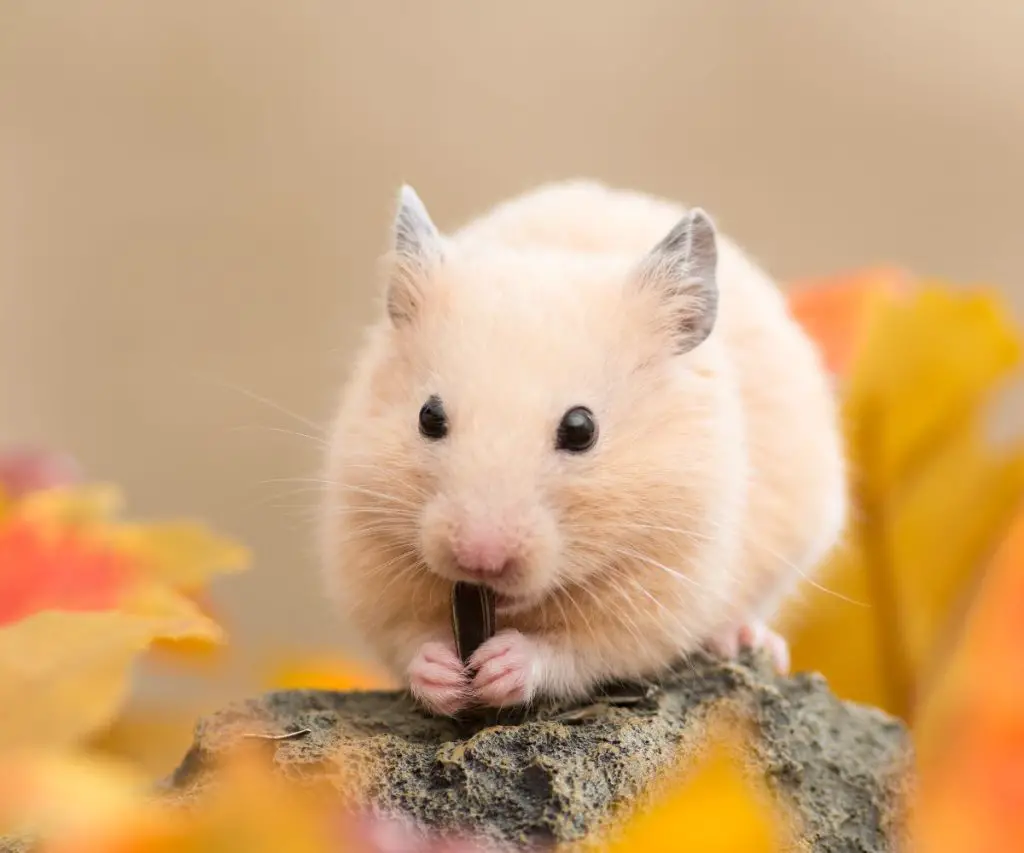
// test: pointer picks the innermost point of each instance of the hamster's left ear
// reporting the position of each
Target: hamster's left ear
(681, 270)
(416, 246)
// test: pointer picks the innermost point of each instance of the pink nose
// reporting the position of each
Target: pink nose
(483, 552)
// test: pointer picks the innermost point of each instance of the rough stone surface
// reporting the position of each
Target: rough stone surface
(561, 773)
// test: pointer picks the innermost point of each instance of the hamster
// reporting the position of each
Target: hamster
(591, 401)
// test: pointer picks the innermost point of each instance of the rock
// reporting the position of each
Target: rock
(557, 774)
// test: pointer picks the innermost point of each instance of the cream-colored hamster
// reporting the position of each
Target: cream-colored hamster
(594, 403)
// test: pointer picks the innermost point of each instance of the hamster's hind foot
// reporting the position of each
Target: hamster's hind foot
(754, 635)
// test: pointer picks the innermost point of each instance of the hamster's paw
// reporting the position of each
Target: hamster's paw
(507, 669)
(438, 680)
(754, 635)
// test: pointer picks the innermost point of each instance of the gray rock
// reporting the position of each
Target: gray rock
(561, 773)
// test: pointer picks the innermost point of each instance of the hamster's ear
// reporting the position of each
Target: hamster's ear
(681, 269)
(415, 247)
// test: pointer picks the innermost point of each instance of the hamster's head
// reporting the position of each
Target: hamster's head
(532, 419)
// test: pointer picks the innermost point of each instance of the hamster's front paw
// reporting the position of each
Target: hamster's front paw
(438, 679)
(754, 635)
(507, 670)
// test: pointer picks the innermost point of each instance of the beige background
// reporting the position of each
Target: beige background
(192, 195)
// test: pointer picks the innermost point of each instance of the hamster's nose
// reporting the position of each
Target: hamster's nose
(484, 553)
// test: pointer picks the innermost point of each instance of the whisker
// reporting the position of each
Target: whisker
(383, 511)
(266, 401)
(583, 616)
(318, 440)
(372, 493)
(636, 555)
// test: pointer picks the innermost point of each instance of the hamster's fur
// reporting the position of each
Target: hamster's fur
(716, 481)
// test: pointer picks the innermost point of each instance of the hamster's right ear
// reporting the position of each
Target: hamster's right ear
(682, 270)
(416, 246)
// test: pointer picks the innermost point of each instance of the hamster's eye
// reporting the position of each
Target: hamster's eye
(577, 431)
(433, 420)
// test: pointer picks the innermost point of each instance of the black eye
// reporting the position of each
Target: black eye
(578, 430)
(433, 420)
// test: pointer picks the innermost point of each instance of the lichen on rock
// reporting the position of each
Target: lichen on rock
(560, 773)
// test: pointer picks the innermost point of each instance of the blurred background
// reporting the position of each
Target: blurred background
(193, 194)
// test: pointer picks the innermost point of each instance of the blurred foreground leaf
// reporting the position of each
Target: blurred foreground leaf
(53, 795)
(63, 675)
(970, 732)
(714, 808)
(81, 597)
(153, 737)
(74, 803)
(930, 496)
(326, 672)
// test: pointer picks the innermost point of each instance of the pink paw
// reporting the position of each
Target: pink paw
(506, 670)
(755, 635)
(438, 679)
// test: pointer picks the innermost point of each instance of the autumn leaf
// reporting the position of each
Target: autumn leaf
(837, 312)
(930, 495)
(81, 598)
(63, 675)
(65, 794)
(57, 570)
(325, 672)
(184, 555)
(927, 367)
(970, 734)
(153, 737)
(75, 803)
(712, 806)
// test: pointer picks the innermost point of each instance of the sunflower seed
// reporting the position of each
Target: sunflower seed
(472, 617)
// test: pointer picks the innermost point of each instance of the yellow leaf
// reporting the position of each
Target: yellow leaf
(90, 505)
(326, 672)
(208, 655)
(928, 361)
(84, 803)
(173, 615)
(929, 497)
(714, 809)
(977, 492)
(184, 555)
(152, 739)
(261, 812)
(72, 794)
(64, 675)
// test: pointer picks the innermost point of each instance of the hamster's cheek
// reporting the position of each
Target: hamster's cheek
(543, 566)
(435, 534)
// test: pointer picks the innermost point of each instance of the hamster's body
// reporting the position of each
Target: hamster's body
(714, 480)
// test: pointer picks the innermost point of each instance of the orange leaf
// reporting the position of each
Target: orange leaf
(836, 311)
(59, 570)
(971, 729)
